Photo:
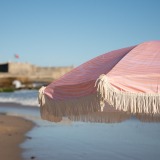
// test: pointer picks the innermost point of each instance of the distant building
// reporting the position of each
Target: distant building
(17, 68)
(4, 67)
(31, 72)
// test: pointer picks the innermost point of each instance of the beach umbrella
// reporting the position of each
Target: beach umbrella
(126, 79)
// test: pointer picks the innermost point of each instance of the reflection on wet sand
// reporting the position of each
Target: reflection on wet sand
(102, 117)
(109, 115)
(148, 117)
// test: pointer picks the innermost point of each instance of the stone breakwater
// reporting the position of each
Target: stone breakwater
(28, 73)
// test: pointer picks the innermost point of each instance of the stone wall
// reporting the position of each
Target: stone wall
(54, 72)
(20, 68)
(32, 73)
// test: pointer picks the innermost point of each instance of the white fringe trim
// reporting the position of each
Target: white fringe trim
(54, 110)
(132, 102)
(41, 99)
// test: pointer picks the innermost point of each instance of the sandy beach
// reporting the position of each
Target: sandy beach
(12, 134)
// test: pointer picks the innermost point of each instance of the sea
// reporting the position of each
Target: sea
(130, 139)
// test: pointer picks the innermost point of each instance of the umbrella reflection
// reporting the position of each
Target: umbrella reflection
(148, 117)
(109, 115)
(102, 117)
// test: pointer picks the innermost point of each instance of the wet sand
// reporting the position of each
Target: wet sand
(12, 134)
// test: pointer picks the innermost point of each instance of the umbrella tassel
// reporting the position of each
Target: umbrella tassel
(41, 98)
(54, 110)
(126, 101)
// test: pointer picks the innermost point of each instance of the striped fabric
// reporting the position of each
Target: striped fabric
(81, 80)
(139, 70)
(128, 79)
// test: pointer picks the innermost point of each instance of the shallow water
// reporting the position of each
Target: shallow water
(24, 97)
(128, 140)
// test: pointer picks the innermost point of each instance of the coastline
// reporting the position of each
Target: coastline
(12, 134)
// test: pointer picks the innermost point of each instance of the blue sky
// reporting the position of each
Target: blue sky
(70, 32)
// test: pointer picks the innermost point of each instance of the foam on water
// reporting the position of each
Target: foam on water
(24, 97)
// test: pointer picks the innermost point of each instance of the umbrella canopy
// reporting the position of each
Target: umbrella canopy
(127, 79)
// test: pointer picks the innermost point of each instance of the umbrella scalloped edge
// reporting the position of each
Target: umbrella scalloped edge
(126, 101)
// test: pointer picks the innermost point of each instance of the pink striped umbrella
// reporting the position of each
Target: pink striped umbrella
(127, 79)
